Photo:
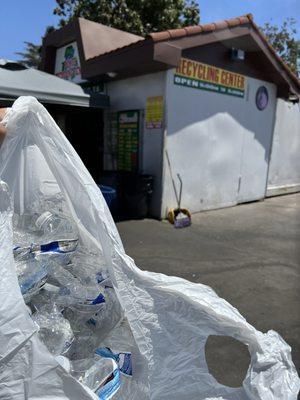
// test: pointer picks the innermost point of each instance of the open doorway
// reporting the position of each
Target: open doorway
(84, 129)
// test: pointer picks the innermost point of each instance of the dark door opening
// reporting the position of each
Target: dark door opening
(84, 129)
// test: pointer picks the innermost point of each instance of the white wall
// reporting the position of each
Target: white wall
(284, 173)
(130, 94)
(211, 139)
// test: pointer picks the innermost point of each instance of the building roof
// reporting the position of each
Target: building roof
(103, 49)
(93, 39)
(196, 29)
(98, 39)
(17, 80)
(173, 34)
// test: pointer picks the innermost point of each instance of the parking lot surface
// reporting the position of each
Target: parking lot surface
(249, 254)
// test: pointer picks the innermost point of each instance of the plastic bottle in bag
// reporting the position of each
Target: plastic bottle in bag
(106, 319)
(89, 268)
(32, 275)
(24, 235)
(48, 224)
(48, 234)
(56, 226)
(70, 289)
(54, 330)
(99, 374)
(80, 314)
(91, 323)
(5, 198)
(84, 344)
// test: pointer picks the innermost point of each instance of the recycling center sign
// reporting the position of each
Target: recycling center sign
(207, 77)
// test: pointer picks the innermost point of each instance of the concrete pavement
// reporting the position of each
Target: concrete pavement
(248, 254)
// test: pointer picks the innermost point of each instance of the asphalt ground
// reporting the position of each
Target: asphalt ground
(249, 254)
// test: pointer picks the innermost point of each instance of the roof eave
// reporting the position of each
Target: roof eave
(159, 55)
(289, 77)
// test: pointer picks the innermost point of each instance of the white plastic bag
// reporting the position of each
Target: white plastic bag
(170, 318)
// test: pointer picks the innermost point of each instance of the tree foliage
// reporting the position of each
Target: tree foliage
(135, 16)
(283, 39)
(31, 56)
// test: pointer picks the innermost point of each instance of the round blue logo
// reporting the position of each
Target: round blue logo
(262, 98)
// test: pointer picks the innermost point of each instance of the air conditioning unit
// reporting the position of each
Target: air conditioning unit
(237, 54)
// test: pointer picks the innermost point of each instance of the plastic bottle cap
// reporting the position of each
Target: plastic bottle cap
(42, 219)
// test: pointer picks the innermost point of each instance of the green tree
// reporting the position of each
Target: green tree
(32, 55)
(135, 16)
(298, 58)
(283, 39)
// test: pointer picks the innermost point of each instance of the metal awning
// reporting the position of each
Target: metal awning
(17, 80)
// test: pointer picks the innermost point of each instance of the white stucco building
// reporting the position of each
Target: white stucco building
(214, 98)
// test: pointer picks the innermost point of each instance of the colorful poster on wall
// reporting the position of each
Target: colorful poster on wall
(154, 112)
(128, 140)
(67, 63)
(207, 77)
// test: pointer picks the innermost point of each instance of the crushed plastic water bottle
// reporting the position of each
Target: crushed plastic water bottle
(54, 330)
(6, 204)
(48, 224)
(104, 321)
(120, 345)
(85, 342)
(47, 234)
(72, 291)
(56, 226)
(89, 268)
(120, 339)
(32, 275)
(104, 372)
(92, 323)
(71, 298)
(93, 372)
(80, 314)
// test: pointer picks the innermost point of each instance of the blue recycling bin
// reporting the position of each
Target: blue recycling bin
(110, 196)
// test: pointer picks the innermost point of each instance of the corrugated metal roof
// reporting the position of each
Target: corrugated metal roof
(16, 81)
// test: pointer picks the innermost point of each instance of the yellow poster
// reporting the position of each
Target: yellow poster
(154, 112)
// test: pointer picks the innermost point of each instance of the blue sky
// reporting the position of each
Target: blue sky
(25, 20)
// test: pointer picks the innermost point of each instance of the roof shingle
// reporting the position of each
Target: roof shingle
(196, 29)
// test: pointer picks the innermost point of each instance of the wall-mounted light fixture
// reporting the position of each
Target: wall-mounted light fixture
(112, 74)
